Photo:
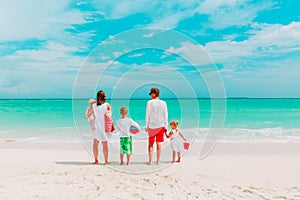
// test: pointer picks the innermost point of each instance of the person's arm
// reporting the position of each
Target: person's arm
(117, 129)
(169, 135)
(182, 136)
(147, 116)
(133, 123)
(86, 115)
(108, 107)
(166, 116)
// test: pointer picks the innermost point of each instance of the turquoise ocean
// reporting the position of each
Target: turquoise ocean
(257, 120)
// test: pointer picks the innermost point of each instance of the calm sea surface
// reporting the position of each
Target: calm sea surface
(246, 119)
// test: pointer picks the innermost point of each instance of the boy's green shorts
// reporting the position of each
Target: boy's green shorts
(126, 145)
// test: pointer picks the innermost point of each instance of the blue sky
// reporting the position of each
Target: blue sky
(254, 45)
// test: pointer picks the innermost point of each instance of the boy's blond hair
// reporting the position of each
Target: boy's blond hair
(123, 110)
(174, 122)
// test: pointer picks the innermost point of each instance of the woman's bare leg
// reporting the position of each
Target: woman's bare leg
(95, 150)
(105, 151)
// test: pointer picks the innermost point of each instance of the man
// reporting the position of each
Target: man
(156, 123)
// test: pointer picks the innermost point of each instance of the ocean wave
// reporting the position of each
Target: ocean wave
(67, 134)
(278, 134)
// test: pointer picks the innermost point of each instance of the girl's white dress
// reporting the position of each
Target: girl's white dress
(99, 112)
(176, 142)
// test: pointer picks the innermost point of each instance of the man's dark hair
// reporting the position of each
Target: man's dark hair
(154, 91)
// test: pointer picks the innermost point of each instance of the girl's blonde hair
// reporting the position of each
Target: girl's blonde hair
(174, 122)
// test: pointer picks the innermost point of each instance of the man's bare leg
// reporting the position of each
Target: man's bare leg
(150, 152)
(158, 148)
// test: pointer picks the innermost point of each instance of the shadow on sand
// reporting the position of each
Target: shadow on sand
(113, 163)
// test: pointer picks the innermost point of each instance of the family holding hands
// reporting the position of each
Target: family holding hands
(101, 123)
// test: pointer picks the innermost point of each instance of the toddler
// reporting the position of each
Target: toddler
(89, 114)
(176, 143)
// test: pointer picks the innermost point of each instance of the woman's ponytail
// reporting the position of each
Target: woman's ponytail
(101, 97)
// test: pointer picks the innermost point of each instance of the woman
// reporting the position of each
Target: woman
(100, 108)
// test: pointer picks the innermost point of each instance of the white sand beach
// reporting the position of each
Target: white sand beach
(233, 171)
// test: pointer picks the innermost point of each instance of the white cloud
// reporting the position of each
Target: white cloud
(192, 52)
(163, 13)
(113, 40)
(221, 13)
(117, 53)
(149, 35)
(41, 84)
(266, 40)
(277, 35)
(277, 80)
(53, 57)
(136, 55)
(21, 20)
(122, 8)
(139, 76)
(226, 13)
(104, 57)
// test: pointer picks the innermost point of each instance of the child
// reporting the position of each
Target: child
(176, 142)
(89, 114)
(123, 127)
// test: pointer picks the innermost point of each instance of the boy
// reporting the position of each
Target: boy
(123, 127)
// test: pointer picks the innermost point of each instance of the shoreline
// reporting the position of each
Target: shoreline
(228, 135)
(221, 147)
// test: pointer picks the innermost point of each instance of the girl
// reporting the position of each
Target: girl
(176, 142)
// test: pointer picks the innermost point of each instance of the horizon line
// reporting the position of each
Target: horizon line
(187, 98)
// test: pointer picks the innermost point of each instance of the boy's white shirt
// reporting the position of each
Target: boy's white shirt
(123, 126)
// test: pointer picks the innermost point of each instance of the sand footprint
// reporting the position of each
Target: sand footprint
(248, 191)
(280, 197)
(237, 187)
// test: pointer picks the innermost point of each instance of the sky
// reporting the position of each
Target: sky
(205, 48)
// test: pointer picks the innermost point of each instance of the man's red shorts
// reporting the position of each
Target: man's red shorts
(156, 134)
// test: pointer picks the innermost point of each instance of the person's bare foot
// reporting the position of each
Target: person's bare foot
(121, 163)
(96, 162)
(157, 162)
(106, 163)
(178, 161)
(173, 161)
(149, 163)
